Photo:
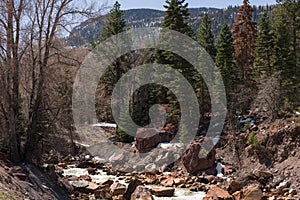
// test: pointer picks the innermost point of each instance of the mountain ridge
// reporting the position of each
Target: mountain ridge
(90, 30)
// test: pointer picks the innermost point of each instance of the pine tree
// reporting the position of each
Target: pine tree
(206, 39)
(244, 34)
(225, 59)
(115, 23)
(264, 47)
(291, 10)
(288, 12)
(205, 36)
(282, 59)
(175, 19)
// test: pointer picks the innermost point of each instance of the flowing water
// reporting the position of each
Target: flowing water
(180, 193)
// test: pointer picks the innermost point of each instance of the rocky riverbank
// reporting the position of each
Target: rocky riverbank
(266, 169)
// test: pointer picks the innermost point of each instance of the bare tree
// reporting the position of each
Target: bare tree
(28, 31)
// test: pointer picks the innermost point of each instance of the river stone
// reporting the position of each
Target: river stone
(147, 138)
(163, 192)
(179, 181)
(117, 188)
(167, 182)
(217, 193)
(253, 193)
(92, 187)
(142, 193)
(133, 184)
(103, 193)
(234, 186)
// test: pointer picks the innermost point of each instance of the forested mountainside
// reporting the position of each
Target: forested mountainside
(90, 30)
(70, 131)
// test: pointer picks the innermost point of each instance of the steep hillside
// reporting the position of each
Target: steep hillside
(27, 182)
(90, 30)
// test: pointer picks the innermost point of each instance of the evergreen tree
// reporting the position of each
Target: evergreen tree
(205, 36)
(225, 59)
(291, 10)
(264, 47)
(244, 34)
(282, 59)
(115, 23)
(288, 12)
(175, 18)
(206, 39)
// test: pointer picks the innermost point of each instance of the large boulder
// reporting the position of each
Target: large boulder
(191, 160)
(148, 138)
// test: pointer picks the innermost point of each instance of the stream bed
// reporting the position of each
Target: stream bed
(101, 176)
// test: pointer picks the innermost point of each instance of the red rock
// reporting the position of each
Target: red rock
(191, 180)
(238, 195)
(91, 170)
(85, 177)
(179, 181)
(253, 193)
(167, 182)
(150, 181)
(191, 160)
(216, 193)
(120, 197)
(147, 138)
(103, 194)
(117, 189)
(84, 186)
(142, 193)
(209, 178)
(108, 182)
(163, 192)
(92, 187)
(234, 186)
(131, 188)
(228, 169)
